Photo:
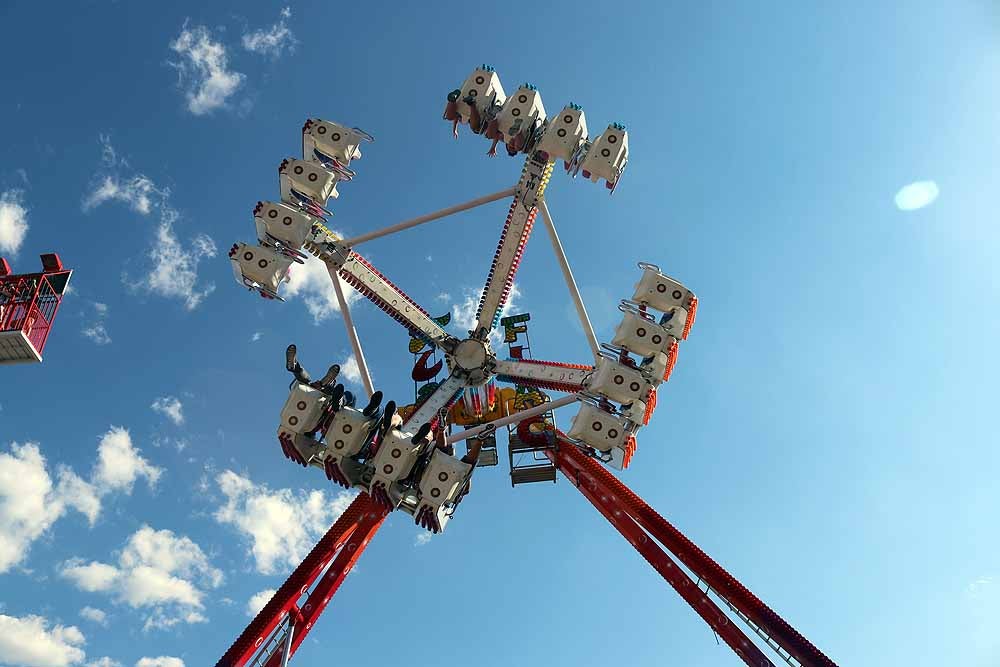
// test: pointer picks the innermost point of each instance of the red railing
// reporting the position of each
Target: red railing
(28, 304)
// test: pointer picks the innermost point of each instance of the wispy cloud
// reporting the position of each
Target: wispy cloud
(173, 272)
(95, 329)
(95, 615)
(979, 586)
(255, 337)
(464, 312)
(171, 407)
(13, 221)
(916, 195)
(203, 70)
(273, 40)
(422, 538)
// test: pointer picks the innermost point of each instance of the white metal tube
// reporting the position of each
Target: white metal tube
(581, 310)
(286, 653)
(516, 417)
(457, 208)
(352, 334)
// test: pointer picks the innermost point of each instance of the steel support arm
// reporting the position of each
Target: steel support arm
(437, 215)
(352, 334)
(258, 635)
(574, 292)
(544, 374)
(365, 278)
(705, 607)
(513, 238)
(513, 418)
(588, 474)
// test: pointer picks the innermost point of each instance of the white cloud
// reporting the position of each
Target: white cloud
(350, 371)
(255, 337)
(96, 330)
(174, 269)
(258, 600)
(92, 577)
(119, 464)
(30, 642)
(162, 661)
(273, 40)
(443, 296)
(98, 333)
(463, 314)
(30, 503)
(137, 192)
(80, 494)
(95, 615)
(422, 539)
(312, 283)
(103, 662)
(203, 70)
(13, 221)
(916, 195)
(171, 407)
(282, 525)
(158, 571)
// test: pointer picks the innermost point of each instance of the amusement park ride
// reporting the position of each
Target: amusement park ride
(28, 306)
(402, 458)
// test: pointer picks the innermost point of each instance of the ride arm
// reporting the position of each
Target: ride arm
(263, 635)
(544, 374)
(644, 524)
(366, 279)
(441, 398)
(516, 230)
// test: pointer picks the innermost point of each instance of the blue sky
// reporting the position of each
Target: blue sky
(828, 434)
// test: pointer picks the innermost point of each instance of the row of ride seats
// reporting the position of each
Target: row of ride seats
(306, 187)
(367, 448)
(519, 121)
(618, 378)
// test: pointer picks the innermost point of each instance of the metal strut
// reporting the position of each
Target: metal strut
(262, 641)
(641, 524)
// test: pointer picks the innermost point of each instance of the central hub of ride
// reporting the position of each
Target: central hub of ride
(471, 357)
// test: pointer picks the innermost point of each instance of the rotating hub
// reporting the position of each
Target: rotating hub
(471, 358)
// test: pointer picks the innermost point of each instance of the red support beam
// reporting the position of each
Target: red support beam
(331, 581)
(593, 479)
(360, 515)
(677, 578)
